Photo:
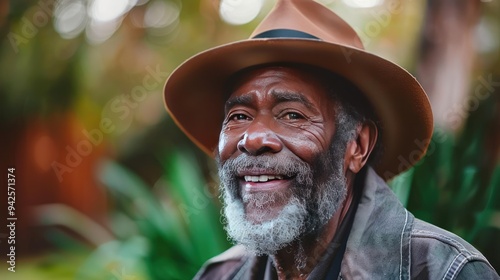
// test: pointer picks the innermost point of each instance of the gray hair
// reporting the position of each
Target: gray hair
(351, 111)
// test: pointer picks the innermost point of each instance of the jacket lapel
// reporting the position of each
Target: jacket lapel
(379, 243)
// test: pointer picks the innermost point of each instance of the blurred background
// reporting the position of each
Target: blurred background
(108, 188)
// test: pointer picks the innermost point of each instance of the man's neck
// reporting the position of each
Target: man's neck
(298, 260)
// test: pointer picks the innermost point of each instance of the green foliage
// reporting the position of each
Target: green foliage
(454, 187)
(164, 232)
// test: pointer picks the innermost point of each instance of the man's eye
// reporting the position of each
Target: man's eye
(238, 117)
(292, 116)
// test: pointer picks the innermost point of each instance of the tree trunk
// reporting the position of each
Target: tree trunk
(447, 57)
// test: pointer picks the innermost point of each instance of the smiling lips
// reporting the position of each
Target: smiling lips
(258, 183)
(262, 178)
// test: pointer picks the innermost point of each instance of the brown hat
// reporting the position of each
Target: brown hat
(305, 32)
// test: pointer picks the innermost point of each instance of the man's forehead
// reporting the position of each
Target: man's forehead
(274, 71)
(286, 78)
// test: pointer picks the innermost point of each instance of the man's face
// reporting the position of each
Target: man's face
(278, 162)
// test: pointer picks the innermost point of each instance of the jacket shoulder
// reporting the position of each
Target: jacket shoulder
(223, 266)
(440, 254)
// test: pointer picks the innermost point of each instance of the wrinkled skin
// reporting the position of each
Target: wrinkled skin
(279, 112)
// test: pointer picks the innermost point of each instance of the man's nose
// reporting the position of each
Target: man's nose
(259, 139)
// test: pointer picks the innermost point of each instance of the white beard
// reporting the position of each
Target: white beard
(270, 235)
(304, 213)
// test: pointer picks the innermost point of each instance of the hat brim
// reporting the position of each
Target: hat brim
(194, 92)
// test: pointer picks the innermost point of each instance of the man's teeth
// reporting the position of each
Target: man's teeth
(262, 178)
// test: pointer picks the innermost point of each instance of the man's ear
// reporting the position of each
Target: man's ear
(358, 151)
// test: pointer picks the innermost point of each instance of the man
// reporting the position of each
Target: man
(304, 124)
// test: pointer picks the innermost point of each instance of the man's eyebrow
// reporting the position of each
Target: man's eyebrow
(238, 100)
(287, 96)
(278, 96)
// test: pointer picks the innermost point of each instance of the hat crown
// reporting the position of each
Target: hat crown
(309, 17)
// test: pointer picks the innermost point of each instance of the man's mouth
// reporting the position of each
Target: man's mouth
(262, 178)
(264, 182)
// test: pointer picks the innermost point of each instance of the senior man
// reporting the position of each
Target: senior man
(306, 127)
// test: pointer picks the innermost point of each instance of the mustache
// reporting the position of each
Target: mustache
(280, 164)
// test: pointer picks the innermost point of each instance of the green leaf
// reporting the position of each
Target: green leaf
(401, 185)
(150, 215)
(195, 203)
